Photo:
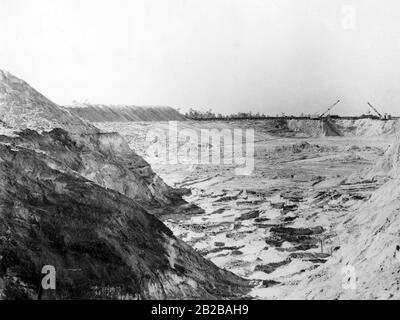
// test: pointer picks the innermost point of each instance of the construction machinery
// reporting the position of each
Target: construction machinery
(322, 115)
(380, 115)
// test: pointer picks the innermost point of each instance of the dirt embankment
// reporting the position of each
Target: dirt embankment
(111, 113)
(287, 128)
(366, 266)
(22, 107)
(346, 128)
(328, 127)
(105, 159)
(79, 200)
(103, 244)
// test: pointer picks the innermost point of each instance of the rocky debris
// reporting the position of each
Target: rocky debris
(289, 208)
(301, 147)
(301, 247)
(325, 196)
(289, 219)
(314, 257)
(206, 252)
(228, 198)
(274, 241)
(269, 283)
(298, 231)
(271, 267)
(294, 196)
(249, 215)
(237, 234)
(267, 225)
(301, 238)
(278, 205)
(262, 193)
(345, 192)
(183, 191)
(176, 209)
(297, 152)
(250, 202)
(219, 211)
(317, 180)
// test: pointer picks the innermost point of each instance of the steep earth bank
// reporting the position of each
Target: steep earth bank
(79, 199)
(102, 244)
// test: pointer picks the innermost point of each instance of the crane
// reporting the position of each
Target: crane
(376, 111)
(329, 109)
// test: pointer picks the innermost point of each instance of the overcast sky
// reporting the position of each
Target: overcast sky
(270, 56)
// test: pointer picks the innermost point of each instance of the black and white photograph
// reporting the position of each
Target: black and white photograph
(199, 150)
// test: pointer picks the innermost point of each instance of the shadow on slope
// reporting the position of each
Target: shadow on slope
(103, 244)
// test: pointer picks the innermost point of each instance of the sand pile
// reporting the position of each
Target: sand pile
(389, 165)
(111, 113)
(344, 127)
(366, 264)
(23, 107)
(329, 129)
(314, 128)
(311, 128)
(368, 127)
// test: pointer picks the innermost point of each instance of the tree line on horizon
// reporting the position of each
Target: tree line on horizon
(208, 114)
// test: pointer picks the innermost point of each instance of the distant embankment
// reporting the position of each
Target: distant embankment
(110, 113)
(347, 127)
(327, 127)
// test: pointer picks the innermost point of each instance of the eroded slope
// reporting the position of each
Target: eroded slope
(103, 244)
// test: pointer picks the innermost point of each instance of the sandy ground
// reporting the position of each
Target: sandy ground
(284, 222)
